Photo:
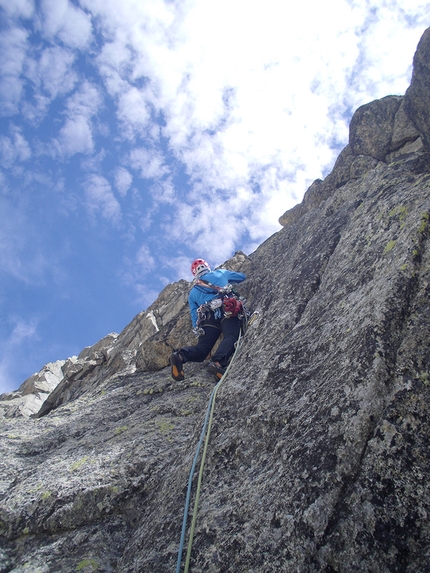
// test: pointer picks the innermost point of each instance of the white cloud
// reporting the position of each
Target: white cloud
(18, 8)
(101, 200)
(75, 136)
(113, 63)
(85, 101)
(236, 105)
(22, 330)
(133, 112)
(13, 149)
(149, 163)
(123, 180)
(51, 76)
(13, 45)
(65, 20)
(163, 191)
(145, 260)
(55, 69)
(283, 113)
(138, 269)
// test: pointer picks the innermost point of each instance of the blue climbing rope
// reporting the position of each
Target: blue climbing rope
(208, 418)
(190, 482)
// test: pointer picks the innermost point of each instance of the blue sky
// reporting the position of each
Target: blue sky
(138, 135)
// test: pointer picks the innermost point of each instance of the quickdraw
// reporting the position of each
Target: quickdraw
(203, 313)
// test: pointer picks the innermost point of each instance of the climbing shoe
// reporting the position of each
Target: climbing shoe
(217, 369)
(177, 366)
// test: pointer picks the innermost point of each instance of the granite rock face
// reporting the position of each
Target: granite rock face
(319, 454)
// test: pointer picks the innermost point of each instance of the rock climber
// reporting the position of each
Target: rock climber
(215, 309)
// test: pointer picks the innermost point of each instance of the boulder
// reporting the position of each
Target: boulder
(372, 126)
(417, 97)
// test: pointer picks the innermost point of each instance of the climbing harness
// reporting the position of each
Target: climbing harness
(206, 430)
(226, 304)
(204, 310)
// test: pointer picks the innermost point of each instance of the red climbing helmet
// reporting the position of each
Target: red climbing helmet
(198, 266)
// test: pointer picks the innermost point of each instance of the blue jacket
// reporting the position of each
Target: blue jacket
(201, 294)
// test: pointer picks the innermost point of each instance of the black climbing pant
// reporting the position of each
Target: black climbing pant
(228, 327)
